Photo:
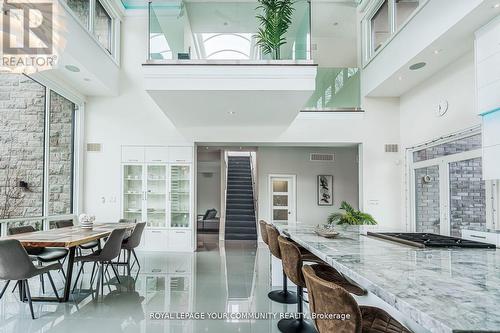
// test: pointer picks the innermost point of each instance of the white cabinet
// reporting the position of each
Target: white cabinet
(160, 193)
(132, 154)
(179, 240)
(180, 154)
(156, 154)
(482, 236)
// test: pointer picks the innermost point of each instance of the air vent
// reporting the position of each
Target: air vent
(321, 157)
(391, 148)
(94, 147)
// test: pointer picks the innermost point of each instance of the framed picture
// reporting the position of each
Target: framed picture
(325, 190)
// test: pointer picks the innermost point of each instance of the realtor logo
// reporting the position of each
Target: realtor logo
(27, 28)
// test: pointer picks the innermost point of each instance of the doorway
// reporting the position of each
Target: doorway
(282, 194)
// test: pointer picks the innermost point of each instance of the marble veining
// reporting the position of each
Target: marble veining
(443, 290)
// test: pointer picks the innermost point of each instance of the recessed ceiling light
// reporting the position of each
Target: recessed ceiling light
(418, 65)
(437, 51)
(231, 113)
(400, 78)
(72, 68)
(497, 5)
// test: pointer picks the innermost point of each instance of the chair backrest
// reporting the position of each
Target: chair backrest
(263, 231)
(291, 260)
(327, 297)
(127, 221)
(135, 238)
(272, 239)
(113, 245)
(21, 230)
(64, 224)
(15, 264)
(210, 214)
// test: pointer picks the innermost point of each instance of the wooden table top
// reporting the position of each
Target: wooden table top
(67, 237)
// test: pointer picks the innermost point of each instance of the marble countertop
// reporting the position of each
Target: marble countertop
(443, 290)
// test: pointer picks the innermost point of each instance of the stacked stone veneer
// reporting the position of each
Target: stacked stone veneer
(22, 118)
(467, 196)
(448, 148)
(427, 200)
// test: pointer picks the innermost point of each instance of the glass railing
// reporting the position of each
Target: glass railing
(221, 31)
(337, 89)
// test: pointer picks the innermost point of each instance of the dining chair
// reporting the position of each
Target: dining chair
(87, 246)
(15, 264)
(328, 297)
(131, 243)
(41, 254)
(103, 259)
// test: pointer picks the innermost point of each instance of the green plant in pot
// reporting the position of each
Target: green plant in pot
(350, 216)
(274, 22)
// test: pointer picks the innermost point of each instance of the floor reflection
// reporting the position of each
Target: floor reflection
(231, 277)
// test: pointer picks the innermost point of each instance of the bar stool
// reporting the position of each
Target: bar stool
(326, 297)
(292, 264)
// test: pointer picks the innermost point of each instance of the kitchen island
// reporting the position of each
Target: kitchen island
(442, 290)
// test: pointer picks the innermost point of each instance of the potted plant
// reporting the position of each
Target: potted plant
(274, 21)
(350, 216)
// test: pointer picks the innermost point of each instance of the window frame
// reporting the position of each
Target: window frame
(77, 149)
(366, 32)
(114, 53)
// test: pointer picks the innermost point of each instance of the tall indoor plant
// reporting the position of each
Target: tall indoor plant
(274, 20)
(350, 216)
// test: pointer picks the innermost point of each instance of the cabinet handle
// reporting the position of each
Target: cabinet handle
(156, 270)
(481, 237)
(180, 270)
(180, 232)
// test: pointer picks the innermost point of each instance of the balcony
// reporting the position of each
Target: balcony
(204, 66)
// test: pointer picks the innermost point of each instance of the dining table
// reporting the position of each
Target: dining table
(69, 238)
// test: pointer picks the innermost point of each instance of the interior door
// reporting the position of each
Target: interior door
(282, 194)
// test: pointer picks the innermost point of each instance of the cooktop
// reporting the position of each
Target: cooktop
(430, 240)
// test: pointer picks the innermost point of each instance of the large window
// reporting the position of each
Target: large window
(102, 26)
(96, 19)
(384, 20)
(36, 152)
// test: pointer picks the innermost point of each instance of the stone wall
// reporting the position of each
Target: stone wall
(22, 109)
(467, 196)
(427, 200)
(22, 118)
(448, 148)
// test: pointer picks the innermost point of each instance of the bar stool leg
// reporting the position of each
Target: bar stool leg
(283, 296)
(297, 325)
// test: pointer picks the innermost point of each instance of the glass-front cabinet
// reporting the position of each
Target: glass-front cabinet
(180, 196)
(158, 189)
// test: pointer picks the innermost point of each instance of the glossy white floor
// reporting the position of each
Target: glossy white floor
(229, 278)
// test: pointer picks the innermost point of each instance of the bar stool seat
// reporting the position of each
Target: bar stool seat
(375, 320)
(328, 297)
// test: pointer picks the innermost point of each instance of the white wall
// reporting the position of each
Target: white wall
(455, 83)
(208, 182)
(130, 118)
(133, 118)
(295, 161)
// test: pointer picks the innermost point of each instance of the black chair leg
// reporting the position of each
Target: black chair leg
(28, 294)
(53, 286)
(128, 262)
(283, 296)
(15, 286)
(4, 288)
(77, 276)
(136, 260)
(115, 271)
(99, 274)
(62, 269)
(42, 281)
(298, 325)
(92, 274)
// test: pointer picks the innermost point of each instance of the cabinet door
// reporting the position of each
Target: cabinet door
(156, 195)
(180, 154)
(179, 240)
(133, 192)
(180, 196)
(156, 240)
(131, 154)
(156, 154)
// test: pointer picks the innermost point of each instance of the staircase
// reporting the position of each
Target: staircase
(240, 209)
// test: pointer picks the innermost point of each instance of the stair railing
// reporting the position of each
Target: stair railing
(254, 185)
